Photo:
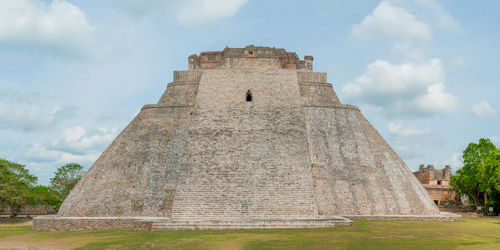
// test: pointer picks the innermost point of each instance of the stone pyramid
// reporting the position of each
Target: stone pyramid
(245, 138)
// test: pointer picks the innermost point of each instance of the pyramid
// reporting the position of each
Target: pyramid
(245, 138)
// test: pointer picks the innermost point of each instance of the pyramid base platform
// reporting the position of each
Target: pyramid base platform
(166, 224)
(57, 223)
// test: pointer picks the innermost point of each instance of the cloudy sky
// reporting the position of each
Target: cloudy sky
(73, 73)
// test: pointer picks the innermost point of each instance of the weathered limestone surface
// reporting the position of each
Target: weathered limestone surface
(58, 223)
(246, 159)
(204, 155)
(355, 170)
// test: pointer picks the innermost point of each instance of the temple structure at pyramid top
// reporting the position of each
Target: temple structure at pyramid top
(250, 57)
(245, 138)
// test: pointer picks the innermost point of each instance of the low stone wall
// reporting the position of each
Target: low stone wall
(143, 225)
(443, 216)
(56, 223)
(457, 209)
(166, 224)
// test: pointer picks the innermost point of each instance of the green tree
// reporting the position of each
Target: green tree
(479, 178)
(490, 185)
(43, 195)
(15, 186)
(66, 178)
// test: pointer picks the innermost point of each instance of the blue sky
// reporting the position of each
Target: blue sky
(73, 73)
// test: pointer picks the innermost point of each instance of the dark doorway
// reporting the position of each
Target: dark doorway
(249, 96)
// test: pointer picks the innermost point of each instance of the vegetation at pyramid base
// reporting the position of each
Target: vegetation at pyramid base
(18, 187)
(43, 195)
(479, 178)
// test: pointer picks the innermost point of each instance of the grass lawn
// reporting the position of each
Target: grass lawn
(471, 233)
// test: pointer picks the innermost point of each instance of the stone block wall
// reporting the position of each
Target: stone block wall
(180, 94)
(192, 76)
(234, 167)
(441, 193)
(315, 91)
(56, 223)
(354, 169)
(430, 175)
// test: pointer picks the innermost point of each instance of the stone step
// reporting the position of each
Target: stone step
(203, 224)
(166, 224)
(243, 226)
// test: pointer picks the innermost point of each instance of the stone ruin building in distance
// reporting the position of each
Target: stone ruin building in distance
(245, 138)
(437, 183)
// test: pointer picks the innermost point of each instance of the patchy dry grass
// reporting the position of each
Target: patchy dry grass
(471, 233)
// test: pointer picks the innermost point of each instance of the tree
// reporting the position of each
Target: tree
(490, 185)
(66, 178)
(43, 195)
(15, 186)
(479, 178)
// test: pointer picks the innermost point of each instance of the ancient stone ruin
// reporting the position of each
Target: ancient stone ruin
(245, 138)
(437, 183)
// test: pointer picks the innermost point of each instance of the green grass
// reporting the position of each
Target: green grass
(471, 233)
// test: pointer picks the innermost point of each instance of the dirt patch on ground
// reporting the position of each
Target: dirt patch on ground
(31, 245)
(32, 242)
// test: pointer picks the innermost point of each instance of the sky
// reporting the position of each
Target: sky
(74, 73)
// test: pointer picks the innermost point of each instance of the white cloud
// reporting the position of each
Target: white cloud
(32, 117)
(74, 145)
(192, 13)
(148, 7)
(438, 14)
(39, 153)
(404, 89)
(25, 110)
(205, 12)
(398, 130)
(77, 140)
(409, 152)
(57, 25)
(494, 139)
(483, 109)
(393, 22)
(435, 101)
(405, 25)
(455, 161)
